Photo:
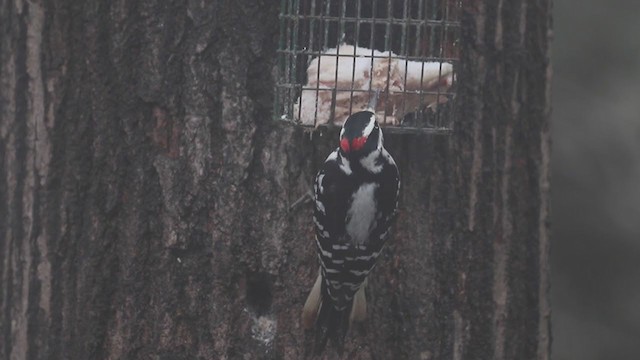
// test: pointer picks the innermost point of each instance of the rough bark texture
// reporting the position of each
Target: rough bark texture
(145, 191)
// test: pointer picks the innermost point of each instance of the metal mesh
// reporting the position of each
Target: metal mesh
(334, 55)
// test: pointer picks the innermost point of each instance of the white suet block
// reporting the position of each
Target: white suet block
(356, 68)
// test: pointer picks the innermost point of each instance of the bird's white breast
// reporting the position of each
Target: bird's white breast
(362, 213)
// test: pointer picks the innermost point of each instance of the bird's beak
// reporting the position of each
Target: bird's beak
(373, 101)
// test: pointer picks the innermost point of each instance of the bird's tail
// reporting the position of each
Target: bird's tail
(330, 321)
(333, 324)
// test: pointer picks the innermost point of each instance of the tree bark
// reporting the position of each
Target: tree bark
(145, 191)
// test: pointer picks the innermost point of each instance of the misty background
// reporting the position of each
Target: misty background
(596, 180)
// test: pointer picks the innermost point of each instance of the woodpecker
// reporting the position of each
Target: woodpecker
(356, 197)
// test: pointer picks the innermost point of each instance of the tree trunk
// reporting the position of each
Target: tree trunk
(145, 191)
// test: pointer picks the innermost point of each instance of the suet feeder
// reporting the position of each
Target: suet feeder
(334, 56)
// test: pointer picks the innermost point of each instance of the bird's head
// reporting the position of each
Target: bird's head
(360, 135)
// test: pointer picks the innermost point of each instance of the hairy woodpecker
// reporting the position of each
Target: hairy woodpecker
(356, 196)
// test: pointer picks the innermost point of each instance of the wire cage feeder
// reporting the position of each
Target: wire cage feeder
(334, 56)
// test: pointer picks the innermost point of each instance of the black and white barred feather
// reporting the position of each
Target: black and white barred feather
(356, 195)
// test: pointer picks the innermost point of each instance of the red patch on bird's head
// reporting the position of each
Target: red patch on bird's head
(344, 145)
(358, 143)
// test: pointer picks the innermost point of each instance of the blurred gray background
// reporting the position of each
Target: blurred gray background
(596, 180)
